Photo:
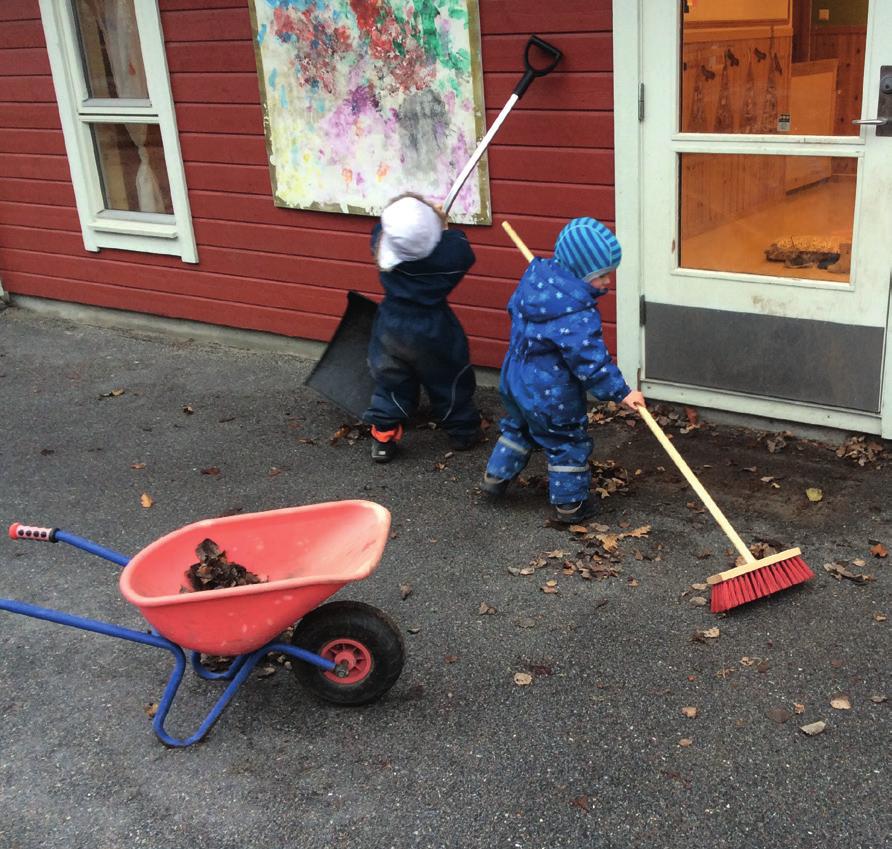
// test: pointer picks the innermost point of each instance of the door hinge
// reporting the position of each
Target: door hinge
(642, 311)
(641, 101)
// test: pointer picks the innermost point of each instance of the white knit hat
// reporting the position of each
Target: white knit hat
(410, 230)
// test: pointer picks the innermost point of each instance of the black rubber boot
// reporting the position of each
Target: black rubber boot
(578, 511)
(494, 487)
(385, 443)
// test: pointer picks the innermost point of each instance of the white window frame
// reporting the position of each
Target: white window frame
(102, 227)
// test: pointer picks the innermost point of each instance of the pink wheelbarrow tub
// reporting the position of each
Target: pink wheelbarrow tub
(350, 653)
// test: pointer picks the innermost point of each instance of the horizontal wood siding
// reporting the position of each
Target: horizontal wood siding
(288, 271)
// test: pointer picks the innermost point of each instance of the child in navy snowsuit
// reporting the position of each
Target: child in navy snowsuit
(416, 338)
(556, 355)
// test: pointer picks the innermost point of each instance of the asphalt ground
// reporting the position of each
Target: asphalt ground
(596, 751)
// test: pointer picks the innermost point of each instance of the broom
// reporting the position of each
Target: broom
(754, 578)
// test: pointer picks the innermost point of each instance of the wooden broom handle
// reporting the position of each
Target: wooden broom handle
(527, 254)
(691, 478)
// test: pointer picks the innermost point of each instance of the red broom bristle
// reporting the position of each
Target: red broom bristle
(759, 583)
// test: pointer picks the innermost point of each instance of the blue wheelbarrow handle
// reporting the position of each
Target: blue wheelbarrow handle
(37, 534)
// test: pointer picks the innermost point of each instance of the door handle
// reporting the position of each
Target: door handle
(872, 122)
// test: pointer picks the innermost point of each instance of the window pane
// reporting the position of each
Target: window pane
(771, 66)
(784, 216)
(110, 49)
(131, 165)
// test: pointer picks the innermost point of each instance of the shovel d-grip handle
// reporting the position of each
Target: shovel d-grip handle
(19, 531)
(531, 70)
(529, 75)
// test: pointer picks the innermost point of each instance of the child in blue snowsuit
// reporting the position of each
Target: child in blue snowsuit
(556, 355)
(416, 338)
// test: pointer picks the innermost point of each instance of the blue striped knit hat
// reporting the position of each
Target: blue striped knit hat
(587, 249)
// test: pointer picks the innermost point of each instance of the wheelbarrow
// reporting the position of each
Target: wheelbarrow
(349, 653)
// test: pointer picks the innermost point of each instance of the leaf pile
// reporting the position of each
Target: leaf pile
(860, 451)
(609, 478)
(598, 559)
(214, 571)
(350, 433)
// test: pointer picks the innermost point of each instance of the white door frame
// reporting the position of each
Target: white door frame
(629, 112)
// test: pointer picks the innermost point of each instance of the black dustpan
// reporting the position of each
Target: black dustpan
(342, 374)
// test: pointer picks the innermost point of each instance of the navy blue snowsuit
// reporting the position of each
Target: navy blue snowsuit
(556, 354)
(417, 341)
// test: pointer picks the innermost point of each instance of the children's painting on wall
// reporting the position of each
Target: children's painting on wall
(367, 99)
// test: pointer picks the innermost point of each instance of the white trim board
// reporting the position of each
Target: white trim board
(101, 227)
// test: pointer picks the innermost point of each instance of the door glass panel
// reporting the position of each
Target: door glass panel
(110, 49)
(783, 216)
(772, 66)
(131, 164)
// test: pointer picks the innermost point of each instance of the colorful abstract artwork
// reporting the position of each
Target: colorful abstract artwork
(367, 99)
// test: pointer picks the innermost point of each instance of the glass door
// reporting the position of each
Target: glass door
(766, 289)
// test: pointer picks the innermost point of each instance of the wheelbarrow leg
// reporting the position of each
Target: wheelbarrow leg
(246, 664)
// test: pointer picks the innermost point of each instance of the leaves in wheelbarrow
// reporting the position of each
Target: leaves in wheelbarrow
(214, 571)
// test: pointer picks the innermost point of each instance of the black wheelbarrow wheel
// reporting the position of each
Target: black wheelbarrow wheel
(363, 641)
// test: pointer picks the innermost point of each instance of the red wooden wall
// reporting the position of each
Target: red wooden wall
(287, 271)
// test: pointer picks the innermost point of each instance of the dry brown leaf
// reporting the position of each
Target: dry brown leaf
(137, 466)
(698, 601)
(878, 699)
(778, 714)
(748, 661)
(523, 679)
(633, 582)
(841, 702)
(151, 709)
(451, 658)
(702, 588)
(274, 472)
(643, 531)
(578, 529)
(188, 410)
(685, 742)
(814, 728)
(339, 434)
(115, 393)
(211, 470)
(798, 708)
(879, 550)
(405, 591)
(486, 609)
(581, 802)
(610, 542)
(690, 712)
(840, 571)
(557, 554)
(711, 633)
(146, 500)
(814, 494)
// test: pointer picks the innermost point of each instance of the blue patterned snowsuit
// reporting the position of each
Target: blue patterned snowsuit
(417, 341)
(557, 354)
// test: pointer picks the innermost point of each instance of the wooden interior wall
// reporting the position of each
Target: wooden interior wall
(720, 96)
(846, 43)
(288, 271)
